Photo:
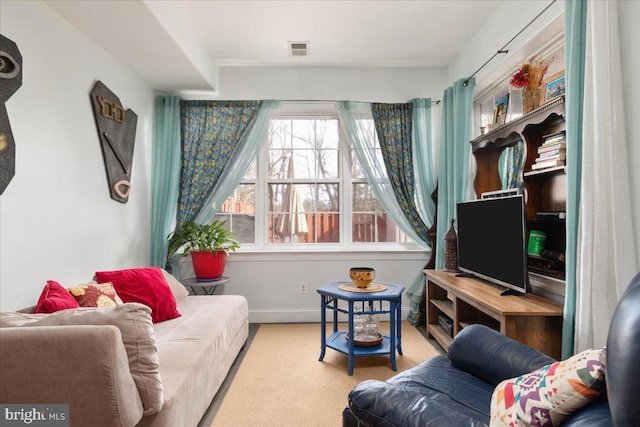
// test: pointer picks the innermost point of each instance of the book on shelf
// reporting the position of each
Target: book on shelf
(552, 147)
(552, 155)
(554, 137)
(547, 164)
(555, 143)
(552, 214)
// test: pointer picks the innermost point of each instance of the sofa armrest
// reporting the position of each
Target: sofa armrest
(85, 367)
(380, 404)
(489, 355)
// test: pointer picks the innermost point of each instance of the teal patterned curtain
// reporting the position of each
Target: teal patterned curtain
(213, 134)
(575, 39)
(394, 128)
(166, 174)
(234, 171)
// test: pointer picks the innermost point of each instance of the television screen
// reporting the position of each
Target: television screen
(491, 241)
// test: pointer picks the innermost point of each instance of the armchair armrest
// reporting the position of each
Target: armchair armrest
(489, 355)
(83, 366)
(380, 404)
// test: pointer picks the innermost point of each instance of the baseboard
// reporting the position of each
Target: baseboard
(301, 316)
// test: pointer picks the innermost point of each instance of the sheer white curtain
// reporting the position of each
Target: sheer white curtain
(606, 252)
(357, 123)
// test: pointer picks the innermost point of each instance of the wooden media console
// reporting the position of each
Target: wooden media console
(530, 319)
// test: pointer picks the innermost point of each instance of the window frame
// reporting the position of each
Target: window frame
(313, 111)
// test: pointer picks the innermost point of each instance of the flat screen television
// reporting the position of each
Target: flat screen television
(492, 242)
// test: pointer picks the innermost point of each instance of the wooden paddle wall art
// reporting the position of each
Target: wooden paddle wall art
(117, 134)
(10, 82)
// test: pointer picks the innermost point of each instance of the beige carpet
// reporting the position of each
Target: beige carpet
(281, 382)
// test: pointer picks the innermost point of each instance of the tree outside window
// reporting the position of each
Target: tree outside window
(299, 191)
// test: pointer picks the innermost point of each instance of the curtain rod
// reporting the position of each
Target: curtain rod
(333, 101)
(504, 48)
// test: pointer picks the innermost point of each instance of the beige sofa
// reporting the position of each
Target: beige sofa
(115, 368)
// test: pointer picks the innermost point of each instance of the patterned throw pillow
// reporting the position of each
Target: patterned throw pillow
(96, 295)
(548, 396)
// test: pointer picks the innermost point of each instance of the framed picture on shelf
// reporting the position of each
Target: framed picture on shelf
(554, 86)
(500, 110)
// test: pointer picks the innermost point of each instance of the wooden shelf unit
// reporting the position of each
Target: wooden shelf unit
(545, 189)
(528, 318)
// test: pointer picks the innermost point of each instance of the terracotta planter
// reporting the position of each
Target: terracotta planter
(208, 265)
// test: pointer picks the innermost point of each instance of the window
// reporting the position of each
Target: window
(369, 222)
(302, 190)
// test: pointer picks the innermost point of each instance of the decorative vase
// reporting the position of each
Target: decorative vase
(451, 249)
(208, 265)
(531, 99)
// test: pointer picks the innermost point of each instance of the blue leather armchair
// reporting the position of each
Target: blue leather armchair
(455, 391)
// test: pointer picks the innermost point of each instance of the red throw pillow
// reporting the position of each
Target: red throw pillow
(146, 286)
(54, 298)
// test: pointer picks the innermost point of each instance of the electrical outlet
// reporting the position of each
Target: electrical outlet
(302, 287)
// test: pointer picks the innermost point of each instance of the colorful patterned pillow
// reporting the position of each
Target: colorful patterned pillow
(96, 295)
(548, 396)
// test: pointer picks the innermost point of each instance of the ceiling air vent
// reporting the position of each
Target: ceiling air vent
(299, 48)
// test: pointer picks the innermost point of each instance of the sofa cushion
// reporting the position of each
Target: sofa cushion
(178, 289)
(138, 337)
(433, 393)
(14, 319)
(549, 395)
(146, 286)
(53, 298)
(95, 295)
(196, 352)
(493, 357)
(465, 393)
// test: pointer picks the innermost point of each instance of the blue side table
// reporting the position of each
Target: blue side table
(369, 303)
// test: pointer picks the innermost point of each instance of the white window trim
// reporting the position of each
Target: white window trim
(314, 111)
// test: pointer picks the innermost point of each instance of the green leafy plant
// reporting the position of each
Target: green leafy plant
(202, 237)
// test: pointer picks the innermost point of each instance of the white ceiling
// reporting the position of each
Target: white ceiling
(180, 45)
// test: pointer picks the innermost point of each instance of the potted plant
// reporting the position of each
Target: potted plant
(208, 245)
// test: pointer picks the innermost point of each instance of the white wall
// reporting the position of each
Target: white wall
(270, 280)
(328, 83)
(57, 220)
(507, 20)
